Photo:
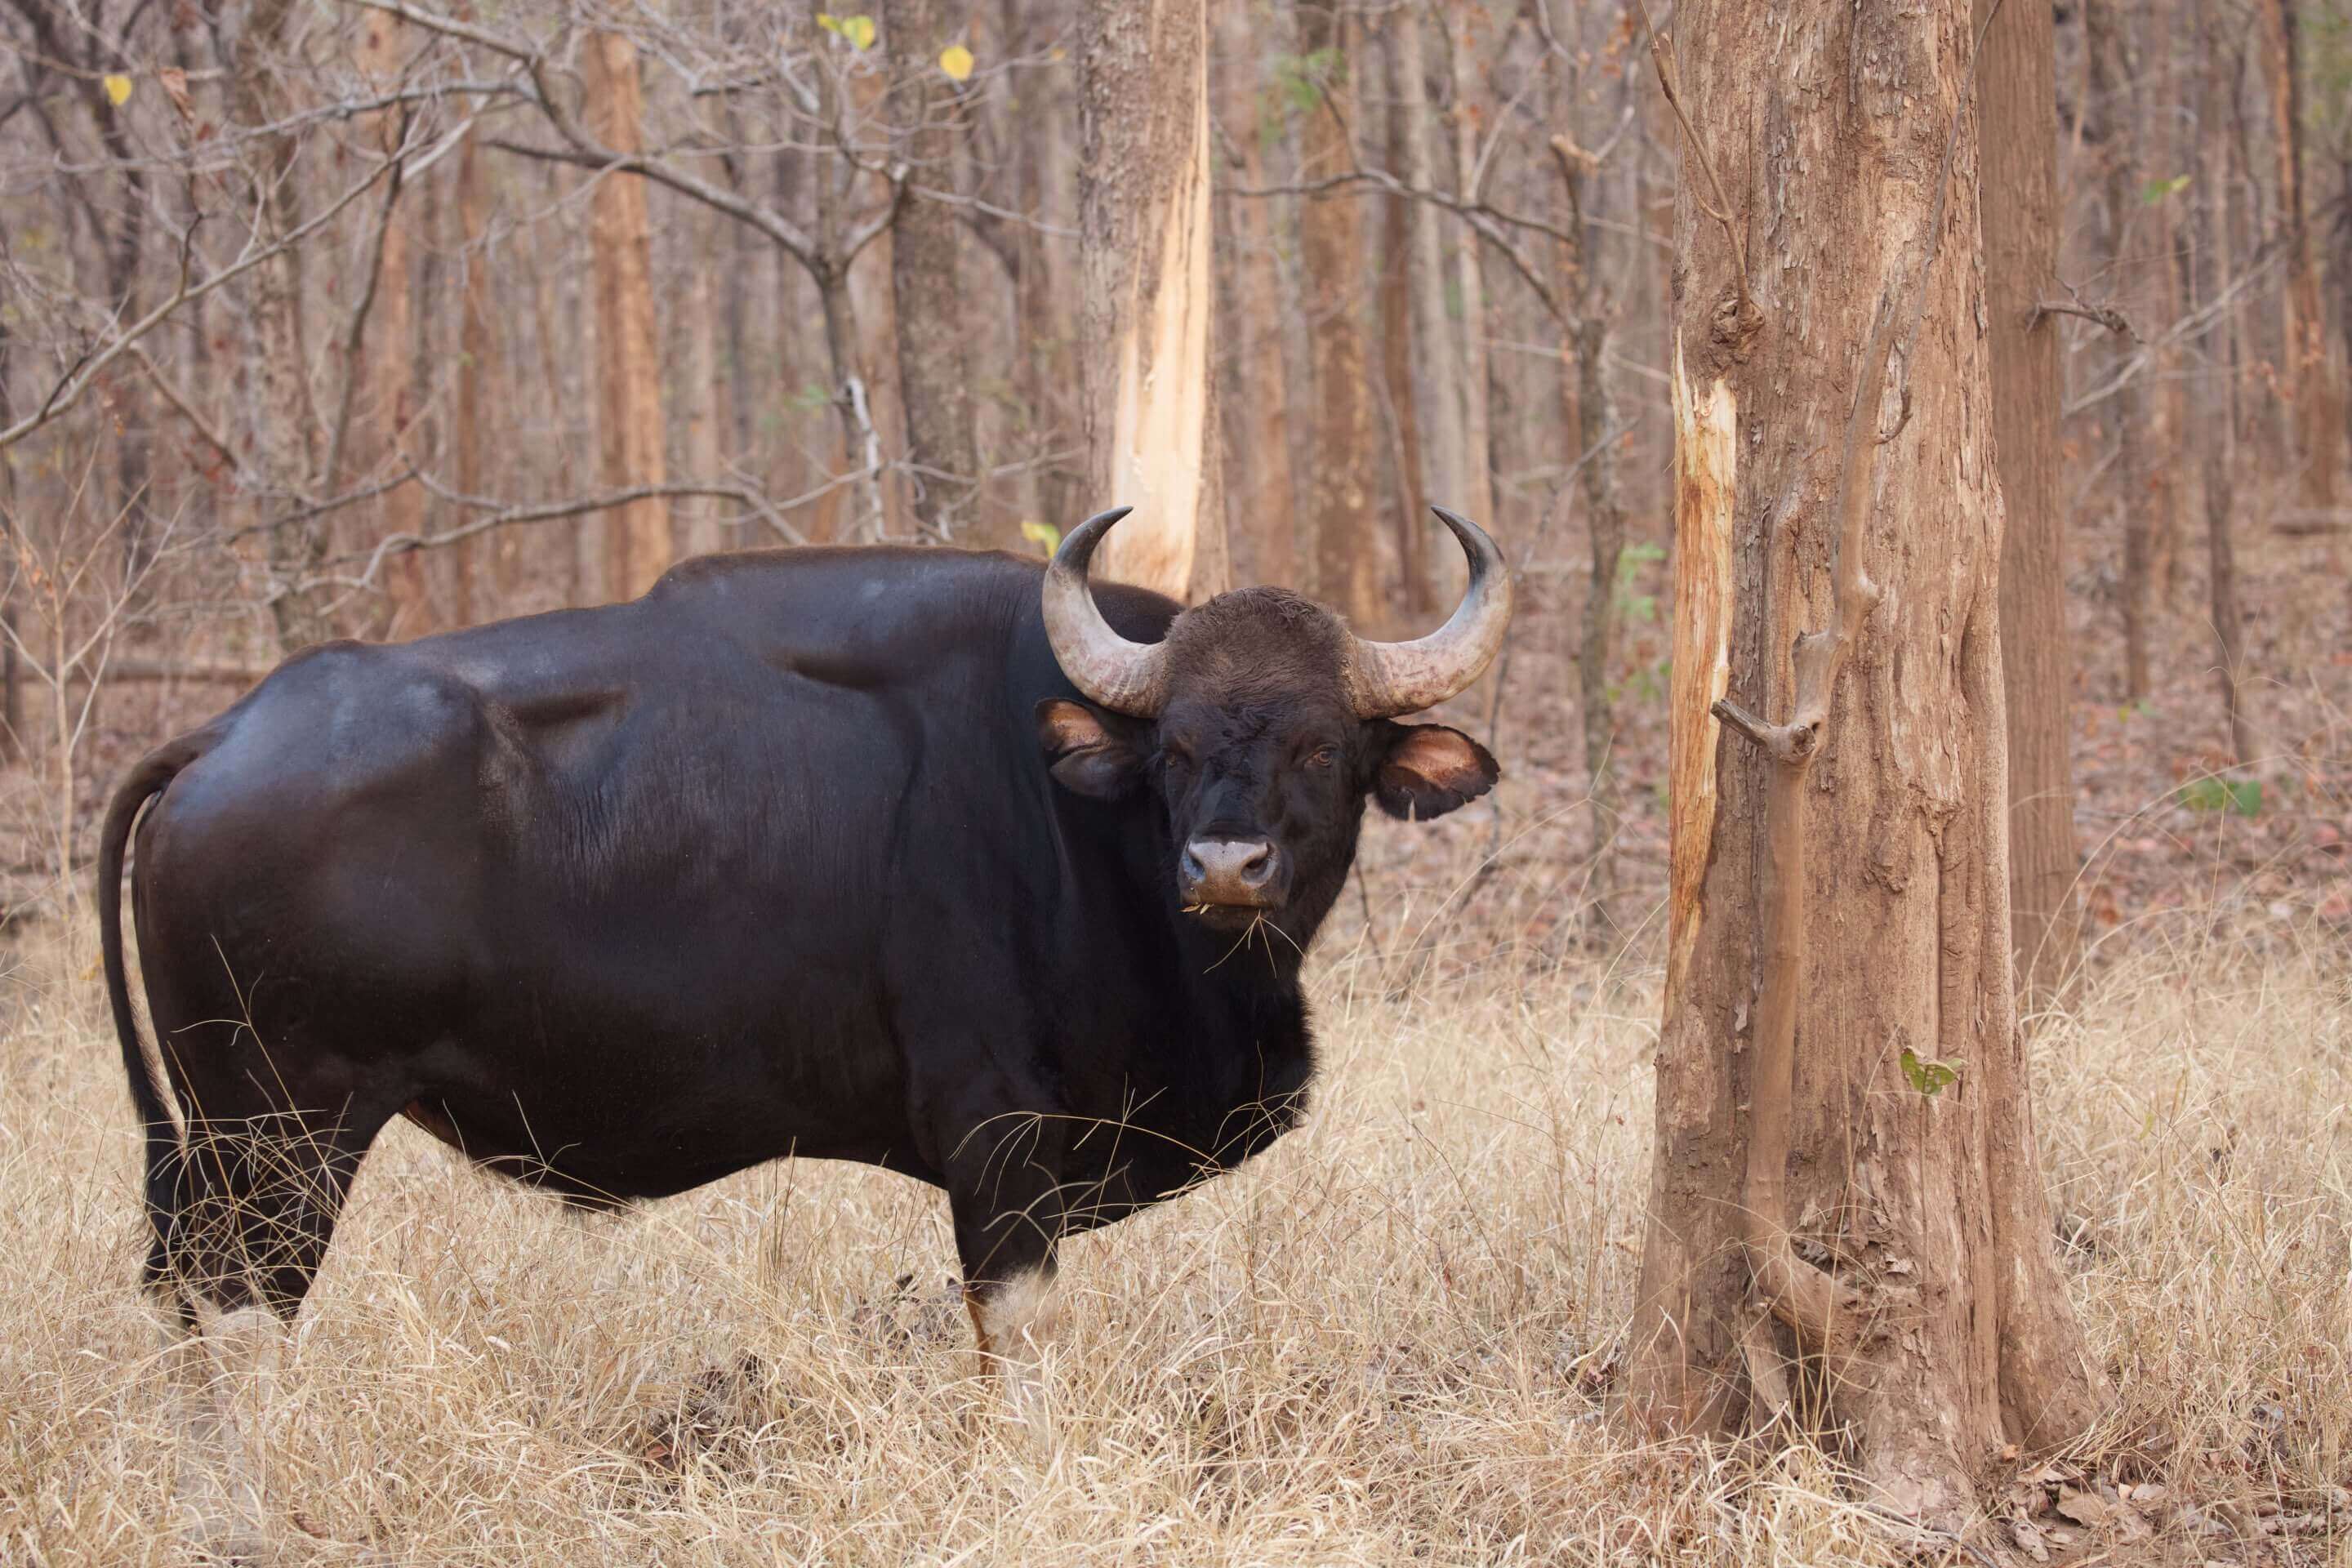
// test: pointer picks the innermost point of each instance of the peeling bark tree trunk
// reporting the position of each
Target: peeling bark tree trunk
(1144, 230)
(1345, 563)
(2017, 84)
(934, 311)
(628, 382)
(1902, 1243)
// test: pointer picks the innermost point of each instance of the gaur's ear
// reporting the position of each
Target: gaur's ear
(1427, 770)
(1092, 752)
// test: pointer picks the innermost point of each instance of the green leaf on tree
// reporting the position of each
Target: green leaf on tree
(1043, 534)
(1930, 1078)
(2156, 192)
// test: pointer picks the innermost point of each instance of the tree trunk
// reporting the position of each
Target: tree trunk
(2220, 424)
(1901, 1243)
(1144, 231)
(1590, 398)
(934, 310)
(285, 426)
(2106, 29)
(477, 350)
(1346, 556)
(1436, 357)
(1477, 442)
(2317, 414)
(628, 378)
(2017, 80)
(387, 367)
(694, 528)
(1259, 493)
(1402, 418)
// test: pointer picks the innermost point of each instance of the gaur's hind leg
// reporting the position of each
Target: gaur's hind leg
(254, 1202)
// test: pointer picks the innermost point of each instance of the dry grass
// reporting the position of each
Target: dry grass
(1391, 1340)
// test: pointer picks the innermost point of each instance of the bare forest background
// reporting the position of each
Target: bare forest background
(374, 319)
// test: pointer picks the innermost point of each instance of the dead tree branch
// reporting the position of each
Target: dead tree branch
(1751, 315)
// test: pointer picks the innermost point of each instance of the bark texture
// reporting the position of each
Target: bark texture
(1918, 1255)
(2017, 86)
(383, 408)
(2106, 27)
(933, 309)
(1477, 435)
(1346, 564)
(628, 410)
(476, 357)
(2318, 416)
(1259, 496)
(1143, 221)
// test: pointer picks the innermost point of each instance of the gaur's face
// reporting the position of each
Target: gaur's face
(1259, 759)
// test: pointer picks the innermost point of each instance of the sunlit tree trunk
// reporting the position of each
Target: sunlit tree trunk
(1149, 296)
(1825, 1239)
(636, 544)
(2017, 82)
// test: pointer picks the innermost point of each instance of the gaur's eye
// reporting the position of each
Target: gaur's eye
(1322, 756)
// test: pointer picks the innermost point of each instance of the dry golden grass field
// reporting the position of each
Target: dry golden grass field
(1393, 1339)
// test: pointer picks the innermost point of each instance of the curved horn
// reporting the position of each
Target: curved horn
(1386, 679)
(1125, 677)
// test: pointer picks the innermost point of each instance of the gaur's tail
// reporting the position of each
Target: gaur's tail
(149, 1093)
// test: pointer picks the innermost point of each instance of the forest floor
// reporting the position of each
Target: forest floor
(1393, 1338)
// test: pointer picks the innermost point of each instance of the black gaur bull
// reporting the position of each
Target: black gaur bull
(927, 858)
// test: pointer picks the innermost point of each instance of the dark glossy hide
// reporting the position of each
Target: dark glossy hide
(620, 901)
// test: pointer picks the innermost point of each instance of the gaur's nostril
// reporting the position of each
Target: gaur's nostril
(1229, 870)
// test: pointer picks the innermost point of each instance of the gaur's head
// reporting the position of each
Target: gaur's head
(1262, 723)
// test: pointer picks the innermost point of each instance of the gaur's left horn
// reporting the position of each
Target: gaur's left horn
(1124, 676)
(1386, 679)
